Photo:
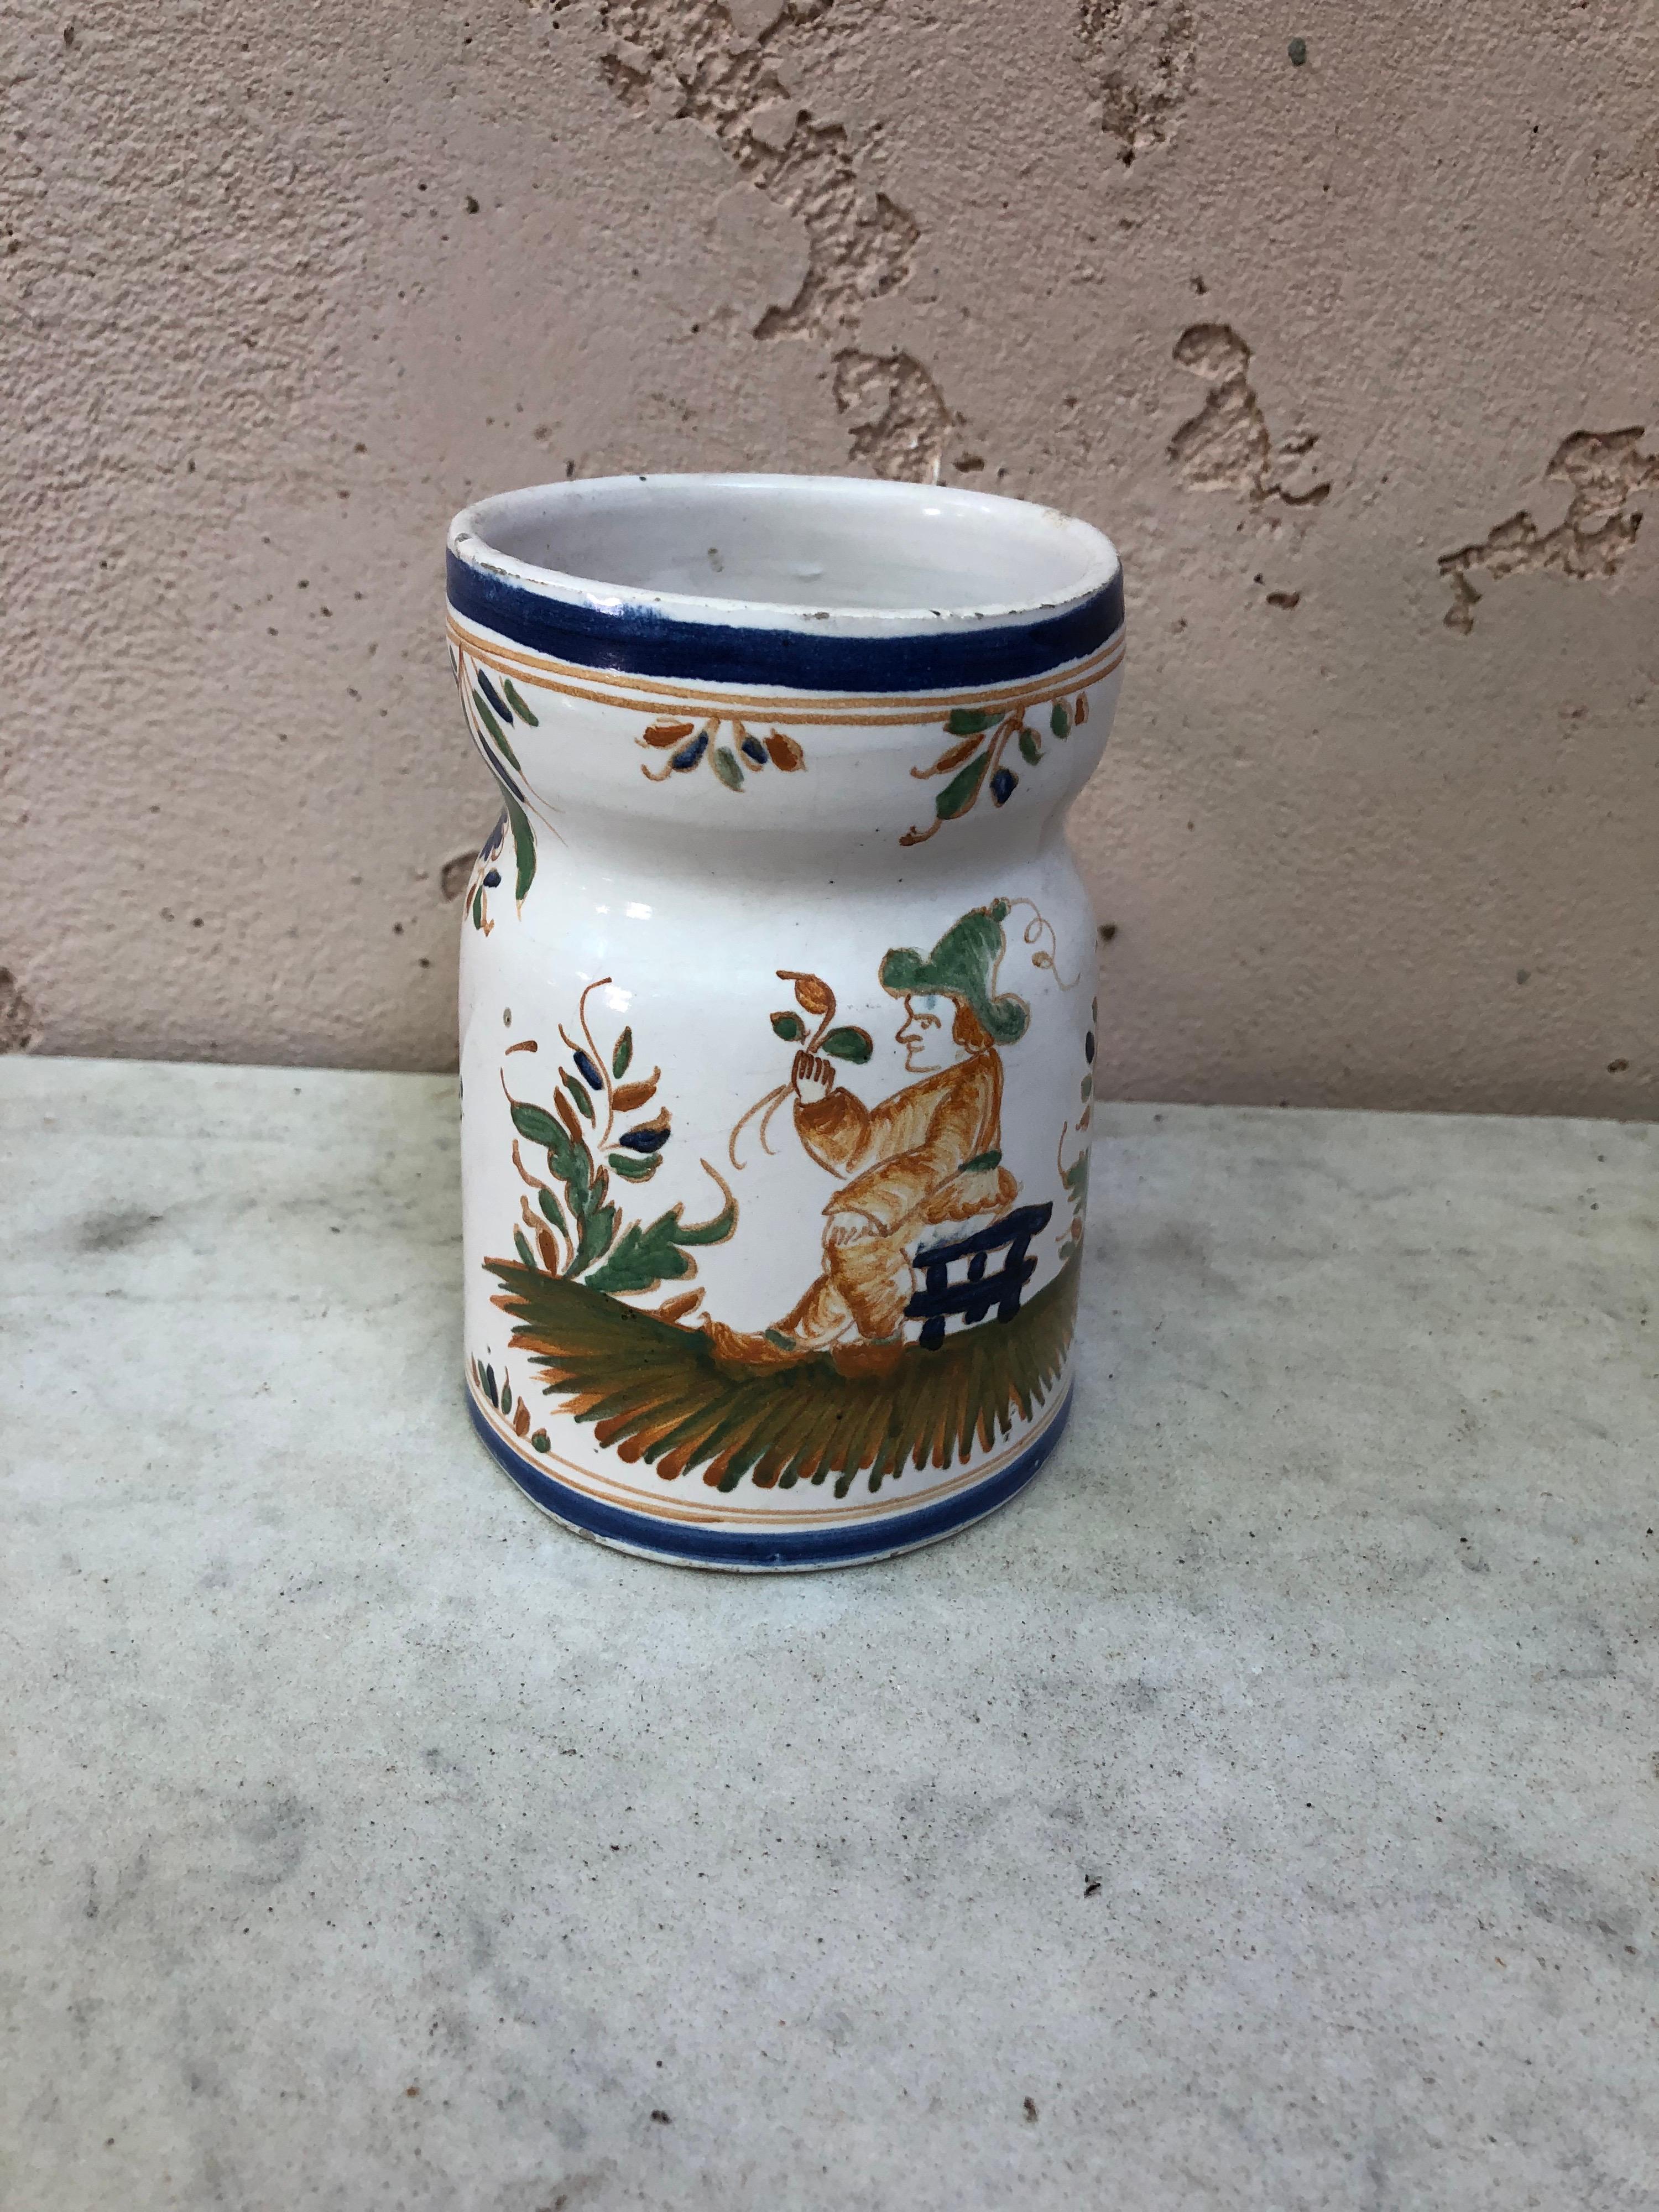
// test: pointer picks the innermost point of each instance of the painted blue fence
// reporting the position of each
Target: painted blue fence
(972, 1295)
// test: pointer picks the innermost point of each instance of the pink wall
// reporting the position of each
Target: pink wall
(284, 286)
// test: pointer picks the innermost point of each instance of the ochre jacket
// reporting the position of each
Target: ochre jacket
(909, 1156)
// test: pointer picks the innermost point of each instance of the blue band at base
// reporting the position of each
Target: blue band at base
(686, 1544)
(643, 642)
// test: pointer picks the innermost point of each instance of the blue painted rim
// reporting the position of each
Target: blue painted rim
(644, 641)
(724, 1547)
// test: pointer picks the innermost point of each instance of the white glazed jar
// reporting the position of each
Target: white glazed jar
(777, 988)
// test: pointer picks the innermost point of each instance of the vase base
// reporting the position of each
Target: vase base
(793, 1551)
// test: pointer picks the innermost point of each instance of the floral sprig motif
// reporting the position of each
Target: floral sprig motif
(487, 875)
(577, 1231)
(688, 745)
(845, 1040)
(490, 711)
(976, 763)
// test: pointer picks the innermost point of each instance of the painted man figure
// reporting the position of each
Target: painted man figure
(929, 1155)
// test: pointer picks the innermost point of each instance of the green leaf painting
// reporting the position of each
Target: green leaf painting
(645, 1257)
(597, 1232)
(596, 1118)
(847, 1043)
(975, 763)
(517, 704)
(969, 721)
(490, 705)
(540, 1127)
(524, 849)
(632, 1168)
(497, 737)
(515, 820)
(959, 795)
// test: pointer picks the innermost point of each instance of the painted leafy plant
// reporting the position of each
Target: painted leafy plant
(682, 746)
(814, 1000)
(1076, 1177)
(974, 761)
(492, 706)
(576, 1229)
(487, 869)
(511, 1409)
(660, 1393)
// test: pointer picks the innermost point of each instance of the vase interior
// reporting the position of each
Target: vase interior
(813, 546)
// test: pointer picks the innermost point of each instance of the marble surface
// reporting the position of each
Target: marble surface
(1263, 1811)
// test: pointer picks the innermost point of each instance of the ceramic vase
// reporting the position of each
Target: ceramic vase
(777, 1010)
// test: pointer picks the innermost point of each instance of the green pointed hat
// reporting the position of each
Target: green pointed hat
(962, 965)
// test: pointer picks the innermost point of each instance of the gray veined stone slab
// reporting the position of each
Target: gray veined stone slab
(1262, 1812)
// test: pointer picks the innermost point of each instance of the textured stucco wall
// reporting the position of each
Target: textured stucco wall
(1350, 357)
